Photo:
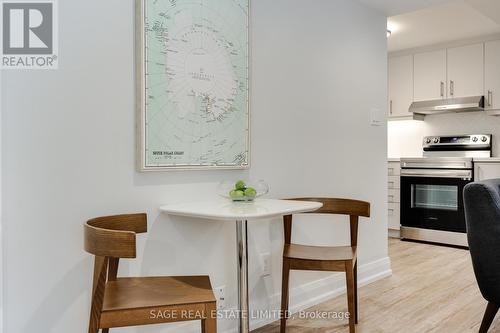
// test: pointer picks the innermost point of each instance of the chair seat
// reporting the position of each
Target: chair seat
(322, 253)
(147, 292)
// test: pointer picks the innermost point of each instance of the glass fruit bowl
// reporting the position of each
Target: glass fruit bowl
(241, 190)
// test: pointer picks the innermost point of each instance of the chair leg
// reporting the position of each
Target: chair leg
(93, 326)
(489, 315)
(209, 324)
(350, 296)
(356, 311)
(105, 330)
(284, 294)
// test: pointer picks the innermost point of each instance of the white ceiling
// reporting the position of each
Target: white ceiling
(445, 22)
(395, 7)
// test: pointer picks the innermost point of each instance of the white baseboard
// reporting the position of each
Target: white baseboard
(394, 233)
(319, 291)
(312, 293)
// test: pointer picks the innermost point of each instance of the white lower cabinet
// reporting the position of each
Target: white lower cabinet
(394, 182)
(394, 195)
(486, 170)
(394, 172)
(394, 216)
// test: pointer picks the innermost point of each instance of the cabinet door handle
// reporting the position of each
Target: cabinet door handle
(490, 98)
(442, 89)
(452, 87)
(390, 107)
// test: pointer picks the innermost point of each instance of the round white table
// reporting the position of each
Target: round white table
(241, 213)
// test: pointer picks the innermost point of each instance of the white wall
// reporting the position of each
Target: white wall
(68, 155)
(1, 216)
(405, 137)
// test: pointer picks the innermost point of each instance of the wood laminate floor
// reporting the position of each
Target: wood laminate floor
(432, 289)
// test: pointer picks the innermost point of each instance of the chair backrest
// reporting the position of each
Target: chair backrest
(353, 208)
(110, 238)
(482, 214)
(114, 236)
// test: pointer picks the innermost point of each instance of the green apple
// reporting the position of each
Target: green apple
(240, 185)
(237, 194)
(250, 192)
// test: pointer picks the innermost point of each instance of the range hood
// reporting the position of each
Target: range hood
(462, 104)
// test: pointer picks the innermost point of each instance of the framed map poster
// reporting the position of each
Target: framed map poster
(193, 84)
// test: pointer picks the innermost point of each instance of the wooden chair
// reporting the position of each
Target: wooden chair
(322, 258)
(132, 301)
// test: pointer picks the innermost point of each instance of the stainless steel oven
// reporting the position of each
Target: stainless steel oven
(432, 206)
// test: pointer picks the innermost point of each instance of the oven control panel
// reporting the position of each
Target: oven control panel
(457, 140)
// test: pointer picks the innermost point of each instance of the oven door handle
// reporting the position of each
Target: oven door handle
(462, 174)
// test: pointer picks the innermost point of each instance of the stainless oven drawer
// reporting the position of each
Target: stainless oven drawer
(435, 236)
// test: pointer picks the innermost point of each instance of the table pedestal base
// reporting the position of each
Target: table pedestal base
(242, 245)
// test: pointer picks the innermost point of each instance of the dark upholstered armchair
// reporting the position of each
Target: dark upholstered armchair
(482, 211)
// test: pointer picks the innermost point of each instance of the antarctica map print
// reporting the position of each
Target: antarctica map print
(196, 84)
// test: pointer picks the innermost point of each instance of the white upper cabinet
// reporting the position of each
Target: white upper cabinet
(492, 74)
(400, 85)
(429, 75)
(466, 71)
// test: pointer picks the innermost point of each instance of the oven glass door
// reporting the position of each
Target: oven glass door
(434, 197)
(433, 203)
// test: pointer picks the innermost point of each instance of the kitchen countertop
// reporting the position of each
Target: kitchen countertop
(487, 159)
(476, 159)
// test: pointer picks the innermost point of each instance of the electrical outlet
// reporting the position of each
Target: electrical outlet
(220, 296)
(266, 264)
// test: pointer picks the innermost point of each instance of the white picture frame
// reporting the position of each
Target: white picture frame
(141, 105)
